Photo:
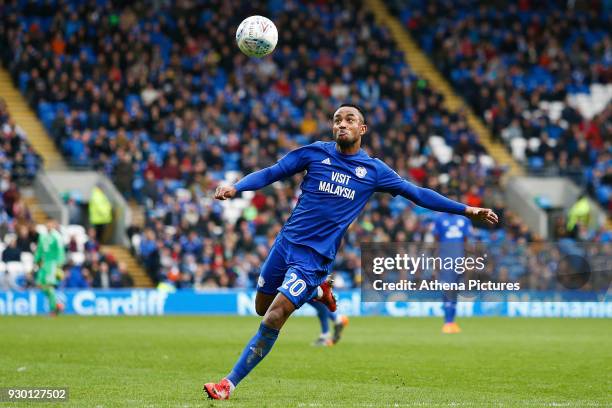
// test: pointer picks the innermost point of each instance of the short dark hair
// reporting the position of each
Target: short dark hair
(352, 105)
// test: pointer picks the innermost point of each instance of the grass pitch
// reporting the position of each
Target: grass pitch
(381, 362)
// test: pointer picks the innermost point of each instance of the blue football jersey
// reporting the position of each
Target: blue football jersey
(451, 231)
(335, 189)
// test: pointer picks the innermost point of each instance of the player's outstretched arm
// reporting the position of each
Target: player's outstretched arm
(391, 182)
(251, 182)
(432, 200)
(292, 163)
(485, 215)
(225, 192)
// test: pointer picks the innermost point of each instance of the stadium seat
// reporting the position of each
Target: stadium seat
(518, 146)
(14, 272)
(9, 238)
(27, 260)
(77, 258)
(486, 161)
(78, 231)
(442, 151)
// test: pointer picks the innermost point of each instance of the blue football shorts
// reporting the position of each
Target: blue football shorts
(293, 270)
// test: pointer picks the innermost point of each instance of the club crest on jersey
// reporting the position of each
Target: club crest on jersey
(261, 282)
(361, 172)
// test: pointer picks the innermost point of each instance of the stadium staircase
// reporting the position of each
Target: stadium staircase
(138, 216)
(25, 117)
(121, 254)
(39, 216)
(422, 66)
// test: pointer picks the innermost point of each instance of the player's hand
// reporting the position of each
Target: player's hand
(485, 215)
(225, 192)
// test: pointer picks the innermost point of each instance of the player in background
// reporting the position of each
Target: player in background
(50, 256)
(452, 232)
(340, 179)
(325, 316)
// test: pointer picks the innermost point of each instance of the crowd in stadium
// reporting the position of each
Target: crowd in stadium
(18, 161)
(85, 264)
(18, 166)
(161, 100)
(514, 60)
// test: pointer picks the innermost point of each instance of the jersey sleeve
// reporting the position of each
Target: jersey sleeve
(292, 163)
(391, 182)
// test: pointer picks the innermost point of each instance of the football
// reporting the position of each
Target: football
(257, 36)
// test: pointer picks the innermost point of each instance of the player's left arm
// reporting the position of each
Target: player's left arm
(432, 200)
(391, 182)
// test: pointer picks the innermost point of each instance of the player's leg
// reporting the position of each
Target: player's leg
(263, 302)
(261, 344)
(323, 315)
(340, 322)
(256, 349)
(449, 301)
(449, 305)
(45, 279)
(49, 292)
(275, 308)
(293, 293)
(323, 295)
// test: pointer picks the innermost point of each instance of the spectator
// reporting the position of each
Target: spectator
(74, 277)
(102, 276)
(100, 213)
(124, 174)
(526, 78)
(11, 253)
(75, 213)
(579, 214)
(26, 238)
(92, 244)
(126, 280)
(203, 111)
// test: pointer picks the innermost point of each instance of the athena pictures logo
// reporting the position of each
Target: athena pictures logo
(418, 271)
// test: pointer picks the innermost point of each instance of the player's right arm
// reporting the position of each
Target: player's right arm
(294, 162)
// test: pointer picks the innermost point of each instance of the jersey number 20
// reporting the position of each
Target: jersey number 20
(294, 285)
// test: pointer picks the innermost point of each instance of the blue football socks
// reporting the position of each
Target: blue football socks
(323, 315)
(259, 346)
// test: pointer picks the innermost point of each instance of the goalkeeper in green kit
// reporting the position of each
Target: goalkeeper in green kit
(50, 258)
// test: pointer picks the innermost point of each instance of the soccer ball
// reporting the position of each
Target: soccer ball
(256, 36)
